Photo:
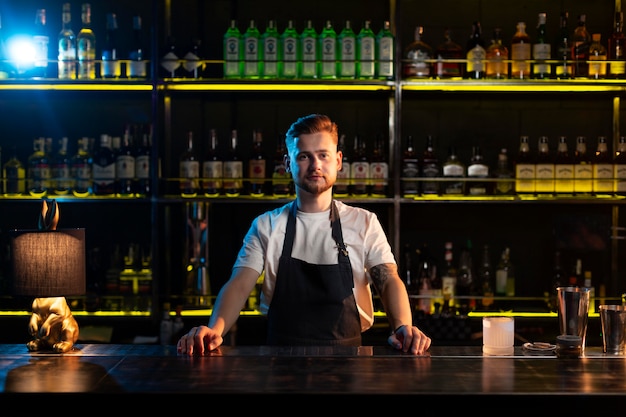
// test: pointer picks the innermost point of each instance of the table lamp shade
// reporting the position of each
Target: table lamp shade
(48, 263)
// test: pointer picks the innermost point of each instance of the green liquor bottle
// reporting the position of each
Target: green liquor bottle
(384, 53)
(307, 61)
(366, 53)
(269, 51)
(328, 52)
(233, 52)
(251, 53)
(288, 52)
(346, 52)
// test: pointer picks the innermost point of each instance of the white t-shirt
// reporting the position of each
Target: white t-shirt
(363, 235)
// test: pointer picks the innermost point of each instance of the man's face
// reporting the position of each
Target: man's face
(314, 162)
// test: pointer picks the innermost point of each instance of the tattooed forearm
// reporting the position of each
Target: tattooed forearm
(381, 273)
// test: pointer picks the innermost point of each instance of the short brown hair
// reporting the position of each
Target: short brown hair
(312, 123)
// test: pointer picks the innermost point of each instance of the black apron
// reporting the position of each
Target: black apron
(313, 304)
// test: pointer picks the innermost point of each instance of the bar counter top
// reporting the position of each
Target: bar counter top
(440, 378)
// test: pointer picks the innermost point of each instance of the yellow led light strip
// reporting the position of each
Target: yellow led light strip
(330, 86)
(76, 87)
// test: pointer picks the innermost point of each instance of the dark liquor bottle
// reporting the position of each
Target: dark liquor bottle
(453, 174)
(524, 168)
(558, 279)
(563, 169)
(504, 175)
(125, 161)
(542, 50)
(104, 168)
(426, 275)
(583, 173)
(475, 53)
(359, 169)
(602, 169)
(212, 168)
(233, 52)
(233, 168)
(521, 52)
(619, 167)
(410, 170)
(448, 279)
(544, 168)
(449, 55)
(497, 65)
(563, 68)
(86, 46)
(379, 169)
(61, 167)
(67, 47)
(466, 281)
(82, 169)
(257, 165)
(342, 185)
(143, 172)
(417, 56)
(281, 179)
(430, 168)
(477, 169)
(189, 169)
(617, 48)
(581, 40)
(136, 63)
(110, 67)
(486, 279)
(39, 171)
(14, 175)
(505, 276)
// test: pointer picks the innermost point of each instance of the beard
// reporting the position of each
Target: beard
(314, 187)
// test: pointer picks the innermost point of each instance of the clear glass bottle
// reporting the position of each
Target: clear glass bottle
(86, 46)
(308, 50)
(281, 179)
(7, 68)
(429, 168)
(66, 46)
(602, 168)
(619, 167)
(497, 66)
(454, 174)
(233, 52)
(476, 170)
(136, 64)
(524, 168)
(503, 174)
(410, 170)
(416, 57)
(563, 169)
(212, 168)
(581, 41)
(14, 175)
(257, 165)
(233, 168)
(251, 52)
(39, 172)
(597, 57)
(328, 52)
(269, 51)
(288, 52)
(82, 169)
(617, 48)
(563, 68)
(61, 169)
(448, 55)
(110, 67)
(475, 52)
(366, 53)
(41, 42)
(542, 50)
(346, 52)
(104, 168)
(379, 169)
(125, 161)
(189, 168)
(583, 173)
(342, 185)
(521, 53)
(544, 168)
(385, 43)
(359, 169)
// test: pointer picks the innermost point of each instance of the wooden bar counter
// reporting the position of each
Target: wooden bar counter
(449, 377)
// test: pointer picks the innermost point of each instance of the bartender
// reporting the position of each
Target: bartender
(320, 258)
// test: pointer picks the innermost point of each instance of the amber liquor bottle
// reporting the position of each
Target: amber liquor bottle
(359, 169)
(544, 168)
(602, 169)
(257, 166)
(619, 167)
(563, 169)
(520, 53)
(189, 169)
(617, 49)
(212, 168)
(503, 174)
(524, 168)
(583, 172)
(233, 168)
(281, 178)
(379, 169)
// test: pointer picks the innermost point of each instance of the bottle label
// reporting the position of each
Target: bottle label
(385, 57)
(290, 58)
(251, 58)
(544, 174)
(142, 167)
(476, 59)
(525, 178)
(189, 172)
(410, 169)
(212, 170)
(366, 57)
(620, 177)
(270, 57)
(329, 68)
(342, 184)
(231, 57)
(379, 178)
(125, 167)
(541, 52)
(359, 177)
(520, 56)
(309, 58)
(564, 178)
(602, 178)
(583, 176)
(348, 57)
(233, 174)
(617, 68)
